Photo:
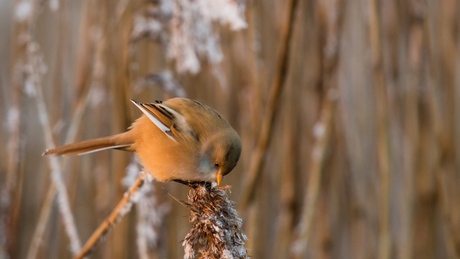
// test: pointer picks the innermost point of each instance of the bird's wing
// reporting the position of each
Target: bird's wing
(166, 119)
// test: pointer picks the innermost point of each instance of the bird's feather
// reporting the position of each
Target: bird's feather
(163, 122)
(121, 141)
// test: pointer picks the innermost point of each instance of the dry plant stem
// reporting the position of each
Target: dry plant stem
(255, 166)
(51, 193)
(254, 75)
(314, 180)
(37, 238)
(382, 129)
(9, 208)
(15, 107)
(82, 100)
(123, 207)
(56, 176)
(449, 227)
(84, 51)
(330, 15)
(411, 122)
(286, 180)
(451, 237)
(254, 109)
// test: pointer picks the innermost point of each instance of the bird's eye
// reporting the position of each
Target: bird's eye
(216, 165)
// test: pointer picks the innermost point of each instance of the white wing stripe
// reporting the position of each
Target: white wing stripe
(103, 148)
(156, 121)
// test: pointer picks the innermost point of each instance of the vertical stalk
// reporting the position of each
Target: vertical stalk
(383, 151)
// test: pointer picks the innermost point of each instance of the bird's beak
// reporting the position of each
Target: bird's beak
(219, 178)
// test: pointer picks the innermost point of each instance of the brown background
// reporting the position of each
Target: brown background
(363, 152)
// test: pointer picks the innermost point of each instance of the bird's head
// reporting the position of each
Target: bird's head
(223, 151)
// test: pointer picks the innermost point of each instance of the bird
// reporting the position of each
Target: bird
(178, 139)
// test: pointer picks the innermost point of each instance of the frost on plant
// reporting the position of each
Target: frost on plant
(30, 69)
(151, 213)
(23, 11)
(216, 228)
(166, 80)
(186, 28)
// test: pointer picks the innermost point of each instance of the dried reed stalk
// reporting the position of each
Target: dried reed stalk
(47, 205)
(124, 206)
(287, 179)
(441, 136)
(26, 77)
(322, 134)
(83, 71)
(257, 158)
(10, 201)
(382, 116)
(412, 118)
(43, 218)
(56, 176)
(216, 228)
(32, 68)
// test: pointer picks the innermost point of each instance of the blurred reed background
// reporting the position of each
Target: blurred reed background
(348, 110)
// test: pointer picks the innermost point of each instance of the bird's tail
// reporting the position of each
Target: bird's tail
(122, 141)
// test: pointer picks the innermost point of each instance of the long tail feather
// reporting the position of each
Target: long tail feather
(121, 141)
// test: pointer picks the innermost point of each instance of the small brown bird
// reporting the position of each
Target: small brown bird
(178, 139)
